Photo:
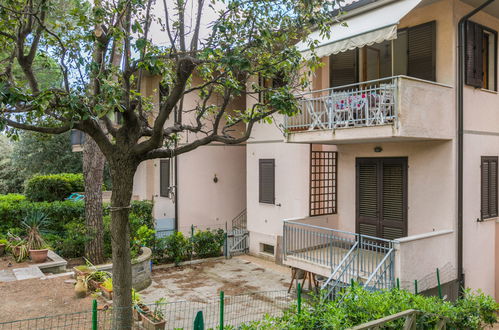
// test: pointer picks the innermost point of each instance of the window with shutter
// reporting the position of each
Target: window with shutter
(489, 187)
(480, 56)
(164, 177)
(382, 197)
(421, 52)
(343, 68)
(267, 181)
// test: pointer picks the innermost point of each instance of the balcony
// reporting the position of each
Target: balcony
(398, 108)
(376, 263)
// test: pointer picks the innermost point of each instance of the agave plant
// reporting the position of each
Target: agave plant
(34, 222)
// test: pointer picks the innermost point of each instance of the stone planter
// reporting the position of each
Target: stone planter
(38, 256)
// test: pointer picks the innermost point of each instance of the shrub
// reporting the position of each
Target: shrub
(12, 198)
(208, 243)
(71, 244)
(53, 187)
(175, 247)
(358, 306)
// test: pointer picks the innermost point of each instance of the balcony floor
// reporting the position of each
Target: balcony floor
(323, 260)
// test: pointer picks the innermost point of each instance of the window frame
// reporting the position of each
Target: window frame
(261, 186)
(164, 191)
(320, 180)
(483, 160)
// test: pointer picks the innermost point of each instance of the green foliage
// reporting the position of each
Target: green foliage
(208, 243)
(53, 187)
(10, 180)
(70, 243)
(65, 228)
(11, 198)
(175, 247)
(34, 222)
(356, 306)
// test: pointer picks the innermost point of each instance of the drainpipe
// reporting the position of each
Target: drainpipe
(460, 138)
(175, 175)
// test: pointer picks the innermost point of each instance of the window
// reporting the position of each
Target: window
(343, 68)
(267, 181)
(415, 52)
(266, 248)
(323, 166)
(489, 187)
(164, 177)
(481, 56)
(77, 137)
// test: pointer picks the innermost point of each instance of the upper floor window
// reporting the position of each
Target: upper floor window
(413, 53)
(164, 177)
(481, 56)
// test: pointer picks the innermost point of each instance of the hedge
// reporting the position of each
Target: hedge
(61, 213)
(53, 187)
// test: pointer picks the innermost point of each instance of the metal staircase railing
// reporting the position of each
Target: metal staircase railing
(239, 221)
(357, 265)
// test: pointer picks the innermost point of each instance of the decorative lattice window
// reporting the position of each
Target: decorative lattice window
(323, 182)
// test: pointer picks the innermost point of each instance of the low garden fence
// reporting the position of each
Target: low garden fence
(224, 310)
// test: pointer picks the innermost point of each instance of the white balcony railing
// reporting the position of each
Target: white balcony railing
(369, 103)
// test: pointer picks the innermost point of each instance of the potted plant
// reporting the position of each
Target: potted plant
(138, 306)
(96, 278)
(17, 246)
(34, 223)
(106, 288)
(3, 244)
(155, 319)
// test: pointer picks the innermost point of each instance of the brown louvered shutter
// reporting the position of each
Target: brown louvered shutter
(489, 187)
(421, 52)
(367, 197)
(382, 197)
(267, 181)
(473, 55)
(393, 218)
(343, 68)
(164, 177)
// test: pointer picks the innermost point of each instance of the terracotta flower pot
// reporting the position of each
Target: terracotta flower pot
(2, 249)
(108, 294)
(149, 324)
(38, 255)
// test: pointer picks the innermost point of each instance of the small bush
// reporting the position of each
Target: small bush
(175, 247)
(12, 198)
(53, 187)
(208, 243)
(72, 243)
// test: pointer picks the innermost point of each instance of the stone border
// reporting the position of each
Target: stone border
(187, 263)
(141, 269)
(57, 265)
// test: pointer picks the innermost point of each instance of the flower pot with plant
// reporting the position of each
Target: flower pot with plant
(155, 319)
(106, 288)
(17, 246)
(34, 222)
(138, 306)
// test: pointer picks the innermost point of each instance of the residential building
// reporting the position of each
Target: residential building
(375, 179)
(202, 189)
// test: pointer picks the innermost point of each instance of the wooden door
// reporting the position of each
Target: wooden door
(382, 197)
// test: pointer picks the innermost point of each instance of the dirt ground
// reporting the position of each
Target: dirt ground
(36, 298)
(8, 262)
(203, 281)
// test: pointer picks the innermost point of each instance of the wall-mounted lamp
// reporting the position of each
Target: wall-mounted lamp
(378, 149)
(215, 179)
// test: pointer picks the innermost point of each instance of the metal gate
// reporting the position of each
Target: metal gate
(237, 242)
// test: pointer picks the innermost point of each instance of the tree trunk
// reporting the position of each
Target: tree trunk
(93, 171)
(122, 175)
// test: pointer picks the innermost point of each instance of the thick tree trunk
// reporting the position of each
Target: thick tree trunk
(122, 173)
(93, 171)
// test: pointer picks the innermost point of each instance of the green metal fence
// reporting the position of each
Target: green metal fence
(226, 310)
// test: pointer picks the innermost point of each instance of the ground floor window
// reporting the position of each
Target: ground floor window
(489, 187)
